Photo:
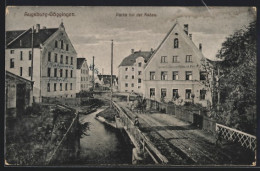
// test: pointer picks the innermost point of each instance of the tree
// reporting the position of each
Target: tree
(238, 84)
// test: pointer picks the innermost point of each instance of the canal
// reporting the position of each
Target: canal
(103, 144)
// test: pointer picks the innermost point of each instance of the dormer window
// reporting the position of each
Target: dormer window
(176, 43)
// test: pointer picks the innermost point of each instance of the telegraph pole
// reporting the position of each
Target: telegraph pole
(32, 56)
(218, 90)
(93, 70)
(111, 73)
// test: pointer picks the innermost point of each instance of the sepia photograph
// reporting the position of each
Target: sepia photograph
(130, 86)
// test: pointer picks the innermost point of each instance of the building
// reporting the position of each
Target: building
(130, 77)
(45, 56)
(176, 71)
(82, 75)
(18, 94)
(105, 81)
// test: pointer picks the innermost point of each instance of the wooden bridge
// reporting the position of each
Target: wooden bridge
(175, 142)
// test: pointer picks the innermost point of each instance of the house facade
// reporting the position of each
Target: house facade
(131, 71)
(176, 71)
(45, 56)
(82, 75)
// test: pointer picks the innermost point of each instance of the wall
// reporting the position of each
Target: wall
(186, 47)
(50, 47)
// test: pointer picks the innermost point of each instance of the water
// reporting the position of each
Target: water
(104, 144)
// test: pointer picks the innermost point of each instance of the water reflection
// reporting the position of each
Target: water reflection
(103, 145)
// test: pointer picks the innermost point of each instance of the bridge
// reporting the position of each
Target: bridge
(167, 140)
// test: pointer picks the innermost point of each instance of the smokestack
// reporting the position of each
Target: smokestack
(151, 50)
(200, 47)
(186, 28)
(132, 51)
(37, 28)
(190, 35)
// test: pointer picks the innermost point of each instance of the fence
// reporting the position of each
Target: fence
(68, 146)
(230, 134)
(64, 101)
(138, 138)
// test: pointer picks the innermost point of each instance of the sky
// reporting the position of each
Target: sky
(91, 29)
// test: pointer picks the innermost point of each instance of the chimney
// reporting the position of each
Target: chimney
(186, 28)
(200, 47)
(151, 50)
(132, 51)
(37, 28)
(43, 27)
(190, 35)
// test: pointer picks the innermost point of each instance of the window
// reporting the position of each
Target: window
(164, 59)
(49, 72)
(61, 44)
(67, 47)
(126, 84)
(67, 60)
(163, 92)
(30, 71)
(188, 94)
(12, 63)
(203, 75)
(188, 75)
(133, 68)
(133, 77)
(132, 84)
(176, 43)
(139, 80)
(61, 72)
(61, 59)
(66, 86)
(30, 55)
(71, 61)
(49, 56)
(152, 92)
(66, 73)
(152, 75)
(81, 78)
(139, 72)
(140, 64)
(21, 71)
(175, 93)
(202, 94)
(12, 51)
(70, 86)
(126, 76)
(126, 69)
(71, 73)
(164, 75)
(56, 43)
(175, 75)
(55, 86)
(56, 57)
(55, 72)
(48, 87)
(175, 59)
(188, 58)
(139, 86)
(21, 55)
(60, 86)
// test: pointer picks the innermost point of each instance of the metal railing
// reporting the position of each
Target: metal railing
(138, 138)
(230, 134)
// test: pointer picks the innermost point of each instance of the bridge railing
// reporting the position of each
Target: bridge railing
(230, 134)
(138, 138)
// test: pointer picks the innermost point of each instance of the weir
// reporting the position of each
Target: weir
(143, 146)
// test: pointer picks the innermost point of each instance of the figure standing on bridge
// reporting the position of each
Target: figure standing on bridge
(218, 137)
(136, 122)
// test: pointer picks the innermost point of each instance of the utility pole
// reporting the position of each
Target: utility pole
(31, 72)
(218, 90)
(93, 70)
(111, 73)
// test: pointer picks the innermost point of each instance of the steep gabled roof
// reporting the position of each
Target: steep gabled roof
(186, 38)
(130, 60)
(80, 61)
(23, 38)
